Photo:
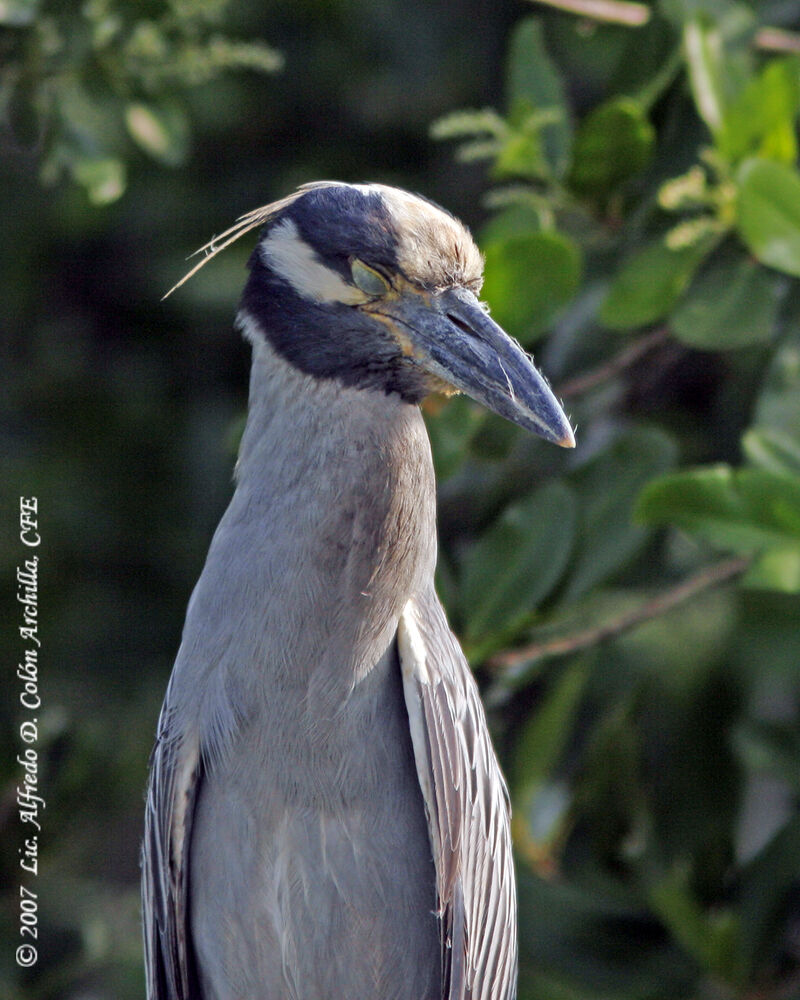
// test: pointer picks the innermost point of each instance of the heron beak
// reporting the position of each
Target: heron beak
(452, 337)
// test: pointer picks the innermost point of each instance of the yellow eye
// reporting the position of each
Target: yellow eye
(369, 281)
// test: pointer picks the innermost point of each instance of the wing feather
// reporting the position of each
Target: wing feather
(175, 777)
(467, 805)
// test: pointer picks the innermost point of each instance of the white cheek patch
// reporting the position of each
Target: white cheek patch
(286, 253)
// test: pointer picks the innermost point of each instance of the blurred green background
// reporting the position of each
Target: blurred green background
(631, 608)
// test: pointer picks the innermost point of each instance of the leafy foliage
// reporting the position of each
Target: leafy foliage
(636, 800)
(82, 89)
(750, 511)
(631, 608)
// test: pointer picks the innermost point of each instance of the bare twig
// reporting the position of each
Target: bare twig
(510, 661)
(608, 369)
(777, 40)
(633, 15)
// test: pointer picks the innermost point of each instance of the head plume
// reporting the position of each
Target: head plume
(250, 220)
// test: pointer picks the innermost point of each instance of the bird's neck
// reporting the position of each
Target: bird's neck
(330, 531)
(335, 495)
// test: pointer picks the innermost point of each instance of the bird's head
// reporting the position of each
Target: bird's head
(378, 288)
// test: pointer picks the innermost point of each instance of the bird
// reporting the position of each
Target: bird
(326, 816)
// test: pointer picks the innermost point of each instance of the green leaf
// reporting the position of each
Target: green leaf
(702, 45)
(744, 510)
(614, 143)
(764, 890)
(732, 303)
(600, 938)
(776, 569)
(532, 76)
(770, 747)
(761, 120)
(18, 13)
(162, 131)
(748, 511)
(521, 154)
(518, 562)
(533, 81)
(516, 220)
(542, 802)
(451, 427)
(650, 284)
(768, 213)
(680, 11)
(528, 279)
(468, 124)
(103, 179)
(607, 488)
(713, 938)
(549, 728)
(772, 450)
(778, 405)
(494, 438)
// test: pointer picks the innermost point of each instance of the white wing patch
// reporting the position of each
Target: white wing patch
(411, 647)
(184, 778)
(175, 775)
(286, 252)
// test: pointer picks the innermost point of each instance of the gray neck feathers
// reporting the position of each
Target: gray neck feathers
(330, 530)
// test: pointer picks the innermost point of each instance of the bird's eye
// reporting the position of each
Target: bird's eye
(369, 281)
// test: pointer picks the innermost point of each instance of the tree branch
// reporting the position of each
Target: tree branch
(511, 661)
(634, 15)
(777, 40)
(608, 369)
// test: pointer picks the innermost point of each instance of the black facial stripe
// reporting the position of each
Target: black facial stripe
(341, 223)
(328, 340)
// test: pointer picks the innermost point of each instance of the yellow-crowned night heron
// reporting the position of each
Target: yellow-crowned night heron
(326, 819)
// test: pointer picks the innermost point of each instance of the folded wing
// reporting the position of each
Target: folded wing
(175, 779)
(467, 805)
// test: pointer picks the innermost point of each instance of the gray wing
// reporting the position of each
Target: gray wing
(467, 805)
(175, 776)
